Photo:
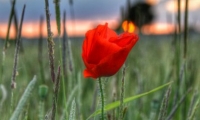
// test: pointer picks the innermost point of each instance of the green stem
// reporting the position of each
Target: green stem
(185, 30)
(63, 75)
(102, 98)
(9, 24)
(41, 110)
(122, 95)
(62, 56)
(11, 102)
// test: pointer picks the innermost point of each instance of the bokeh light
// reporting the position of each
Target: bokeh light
(128, 26)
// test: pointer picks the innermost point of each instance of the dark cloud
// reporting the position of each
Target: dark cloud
(88, 9)
(84, 9)
(34, 8)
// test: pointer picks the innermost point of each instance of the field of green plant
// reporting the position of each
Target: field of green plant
(151, 63)
(42, 79)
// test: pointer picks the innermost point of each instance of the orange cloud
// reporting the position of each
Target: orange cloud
(31, 29)
(3, 31)
(171, 5)
(158, 28)
(152, 2)
(77, 28)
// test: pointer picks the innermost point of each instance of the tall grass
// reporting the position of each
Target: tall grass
(139, 59)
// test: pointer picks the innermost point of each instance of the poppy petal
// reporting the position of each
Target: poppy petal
(104, 52)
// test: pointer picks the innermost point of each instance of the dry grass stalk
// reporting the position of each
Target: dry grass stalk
(50, 41)
(164, 105)
(55, 98)
(64, 44)
(177, 105)
(13, 79)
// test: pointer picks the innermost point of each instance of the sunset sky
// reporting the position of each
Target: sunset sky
(89, 13)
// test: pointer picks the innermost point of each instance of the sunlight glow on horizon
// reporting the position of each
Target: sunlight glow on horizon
(152, 2)
(31, 29)
(158, 28)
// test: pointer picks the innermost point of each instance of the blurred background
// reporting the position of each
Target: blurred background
(156, 17)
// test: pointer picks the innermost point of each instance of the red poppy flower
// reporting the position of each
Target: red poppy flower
(104, 52)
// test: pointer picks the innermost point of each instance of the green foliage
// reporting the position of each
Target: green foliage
(150, 64)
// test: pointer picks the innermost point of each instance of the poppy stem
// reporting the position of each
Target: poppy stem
(121, 112)
(102, 98)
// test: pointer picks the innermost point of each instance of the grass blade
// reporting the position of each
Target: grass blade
(164, 105)
(55, 98)
(13, 83)
(185, 29)
(64, 47)
(126, 100)
(9, 24)
(4, 96)
(40, 51)
(23, 99)
(73, 110)
(177, 105)
(122, 93)
(194, 110)
(57, 10)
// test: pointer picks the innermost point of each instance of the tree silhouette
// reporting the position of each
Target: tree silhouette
(140, 13)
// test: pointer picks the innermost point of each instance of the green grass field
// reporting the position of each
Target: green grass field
(150, 64)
